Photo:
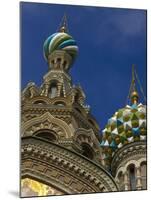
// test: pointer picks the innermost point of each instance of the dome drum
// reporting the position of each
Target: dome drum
(132, 152)
(59, 59)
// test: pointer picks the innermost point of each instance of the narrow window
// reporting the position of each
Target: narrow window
(132, 177)
(53, 90)
(87, 151)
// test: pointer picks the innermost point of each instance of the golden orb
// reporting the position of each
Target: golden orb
(63, 29)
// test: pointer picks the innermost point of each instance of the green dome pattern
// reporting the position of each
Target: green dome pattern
(60, 41)
(127, 125)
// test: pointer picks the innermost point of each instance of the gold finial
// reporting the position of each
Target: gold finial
(133, 92)
(64, 26)
(134, 97)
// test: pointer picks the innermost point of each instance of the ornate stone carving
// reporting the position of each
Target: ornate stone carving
(91, 174)
(46, 121)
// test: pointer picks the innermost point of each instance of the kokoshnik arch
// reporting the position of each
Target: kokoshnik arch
(62, 150)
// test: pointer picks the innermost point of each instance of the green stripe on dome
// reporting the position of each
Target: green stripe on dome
(57, 42)
(46, 45)
(60, 41)
(66, 43)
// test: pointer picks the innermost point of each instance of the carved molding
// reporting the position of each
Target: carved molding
(82, 135)
(46, 121)
(73, 163)
(130, 153)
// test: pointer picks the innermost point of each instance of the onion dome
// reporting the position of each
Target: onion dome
(127, 125)
(60, 40)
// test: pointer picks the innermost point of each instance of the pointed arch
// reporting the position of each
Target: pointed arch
(46, 121)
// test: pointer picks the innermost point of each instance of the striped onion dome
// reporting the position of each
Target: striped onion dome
(60, 41)
(126, 126)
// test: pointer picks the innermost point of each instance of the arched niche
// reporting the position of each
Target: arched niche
(46, 134)
(87, 151)
(39, 102)
(53, 90)
(47, 121)
(132, 176)
(60, 103)
(86, 136)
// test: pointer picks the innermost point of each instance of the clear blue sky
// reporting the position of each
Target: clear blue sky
(109, 40)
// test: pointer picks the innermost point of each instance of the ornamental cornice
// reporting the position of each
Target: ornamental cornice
(50, 75)
(133, 150)
(54, 110)
(44, 108)
(46, 101)
(69, 160)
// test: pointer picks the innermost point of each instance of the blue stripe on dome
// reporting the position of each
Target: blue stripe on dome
(60, 41)
(47, 42)
(69, 42)
(56, 40)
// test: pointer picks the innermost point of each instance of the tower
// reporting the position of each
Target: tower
(124, 142)
(60, 146)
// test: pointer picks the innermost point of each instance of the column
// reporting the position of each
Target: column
(59, 89)
(126, 182)
(45, 90)
(138, 179)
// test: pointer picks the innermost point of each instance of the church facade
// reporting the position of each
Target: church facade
(62, 150)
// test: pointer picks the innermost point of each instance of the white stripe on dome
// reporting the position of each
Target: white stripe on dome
(71, 47)
(44, 55)
(55, 38)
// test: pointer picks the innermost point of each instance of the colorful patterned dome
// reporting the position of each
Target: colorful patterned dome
(60, 41)
(127, 125)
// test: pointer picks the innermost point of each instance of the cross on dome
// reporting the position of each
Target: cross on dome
(64, 25)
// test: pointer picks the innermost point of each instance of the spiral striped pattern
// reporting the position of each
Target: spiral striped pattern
(60, 41)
